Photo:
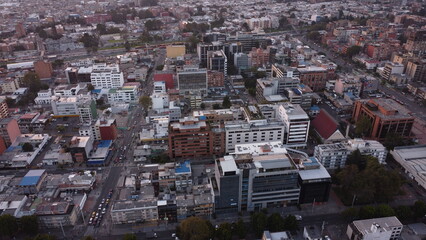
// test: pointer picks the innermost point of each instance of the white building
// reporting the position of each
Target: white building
(238, 132)
(134, 211)
(43, 97)
(159, 87)
(81, 105)
(334, 155)
(160, 101)
(297, 124)
(69, 90)
(126, 94)
(106, 76)
(387, 228)
(413, 160)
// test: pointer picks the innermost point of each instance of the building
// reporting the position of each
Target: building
(413, 160)
(275, 86)
(190, 138)
(106, 76)
(107, 129)
(165, 77)
(68, 90)
(86, 109)
(43, 69)
(348, 85)
(416, 70)
(174, 51)
(64, 106)
(238, 132)
(391, 68)
(204, 48)
(217, 60)
(215, 79)
(314, 181)
(9, 85)
(80, 148)
(4, 109)
(327, 128)
(334, 155)
(126, 94)
(44, 97)
(301, 95)
(139, 211)
(241, 61)
(315, 77)
(192, 80)
(276, 236)
(385, 115)
(226, 185)
(297, 124)
(9, 130)
(416, 42)
(387, 228)
(20, 30)
(56, 214)
(31, 182)
(259, 57)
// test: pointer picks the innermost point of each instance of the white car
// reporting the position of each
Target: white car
(298, 217)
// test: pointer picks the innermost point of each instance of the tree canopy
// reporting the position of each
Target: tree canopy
(90, 42)
(226, 103)
(154, 24)
(194, 228)
(363, 126)
(146, 102)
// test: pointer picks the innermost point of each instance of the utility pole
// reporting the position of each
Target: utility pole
(353, 200)
(62, 228)
(322, 227)
(313, 204)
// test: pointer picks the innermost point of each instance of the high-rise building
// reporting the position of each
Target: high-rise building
(297, 124)
(416, 70)
(215, 79)
(106, 76)
(204, 48)
(386, 116)
(9, 130)
(192, 80)
(217, 60)
(4, 109)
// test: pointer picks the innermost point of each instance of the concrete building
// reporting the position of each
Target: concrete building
(204, 48)
(386, 116)
(387, 228)
(107, 129)
(174, 51)
(259, 57)
(64, 106)
(123, 212)
(416, 70)
(241, 61)
(190, 138)
(315, 77)
(106, 76)
(44, 97)
(215, 79)
(80, 148)
(43, 69)
(275, 86)
(226, 185)
(314, 181)
(217, 60)
(237, 132)
(297, 124)
(334, 155)
(126, 94)
(391, 68)
(9, 130)
(192, 80)
(413, 160)
(276, 236)
(9, 85)
(4, 109)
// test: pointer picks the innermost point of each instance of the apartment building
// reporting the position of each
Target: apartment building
(106, 76)
(386, 228)
(297, 124)
(145, 210)
(386, 116)
(217, 60)
(4, 109)
(126, 94)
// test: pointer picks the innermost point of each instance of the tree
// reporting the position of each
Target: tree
(367, 212)
(29, 224)
(362, 126)
(129, 236)
(350, 214)
(203, 106)
(393, 140)
(101, 28)
(258, 223)
(153, 24)
(60, 128)
(32, 81)
(290, 223)
(224, 232)
(194, 228)
(10, 102)
(226, 103)
(283, 23)
(27, 147)
(419, 209)
(240, 229)
(403, 212)
(353, 50)
(384, 210)
(127, 46)
(148, 3)
(58, 63)
(146, 102)
(145, 37)
(314, 36)
(90, 42)
(275, 223)
(90, 87)
(143, 14)
(216, 106)
(358, 159)
(8, 225)
(159, 68)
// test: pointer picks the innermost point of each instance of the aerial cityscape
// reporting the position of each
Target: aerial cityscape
(205, 120)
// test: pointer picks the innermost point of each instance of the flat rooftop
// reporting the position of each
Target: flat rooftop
(262, 148)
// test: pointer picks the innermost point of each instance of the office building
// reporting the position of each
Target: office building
(390, 69)
(267, 87)
(80, 148)
(226, 185)
(204, 48)
(130, 211)
(241, 61)
(297, 124)
(315, 77)
(215, 79)
(416, 70)
(106, 76)
(238, 132)
(192, 80)
(386, 228)
(386, 116)
(9, 85)
(413, 160)
(190, 138)
(126, 94)
(217, 60)
(107, 129)
(314, 181)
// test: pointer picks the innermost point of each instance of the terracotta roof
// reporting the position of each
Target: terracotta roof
(324, 124)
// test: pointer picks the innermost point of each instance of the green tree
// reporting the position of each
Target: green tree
(353, 50)
(203, 106)
(224, 232)
(403, 212)
(90, 87)
(127, 46)
(357, 159)
(145, 102)
(32, 81)
(226, 103)
(10, 102)
(60, 128)
(384, 210)
(145, 14)
(290, 223)
(58, 63)
(90, 42)
(8, 225)
(194, 228)
(419, 209)
(129, 236)
(259, 222)
(350, 214)
(367, 212)
(29, 224)
(159, 68)
(314, 36)
(363, 126)
(101, 28)
(393, 140)
(283, 23)
(240, 229)
(27, 147)
(155, 24)
(275, 223)
(216, 106)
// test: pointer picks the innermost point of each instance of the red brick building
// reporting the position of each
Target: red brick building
(107, 129)
(9, 130)
(190, 138)
(43, 69)
(386, 116)
(215, 79)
